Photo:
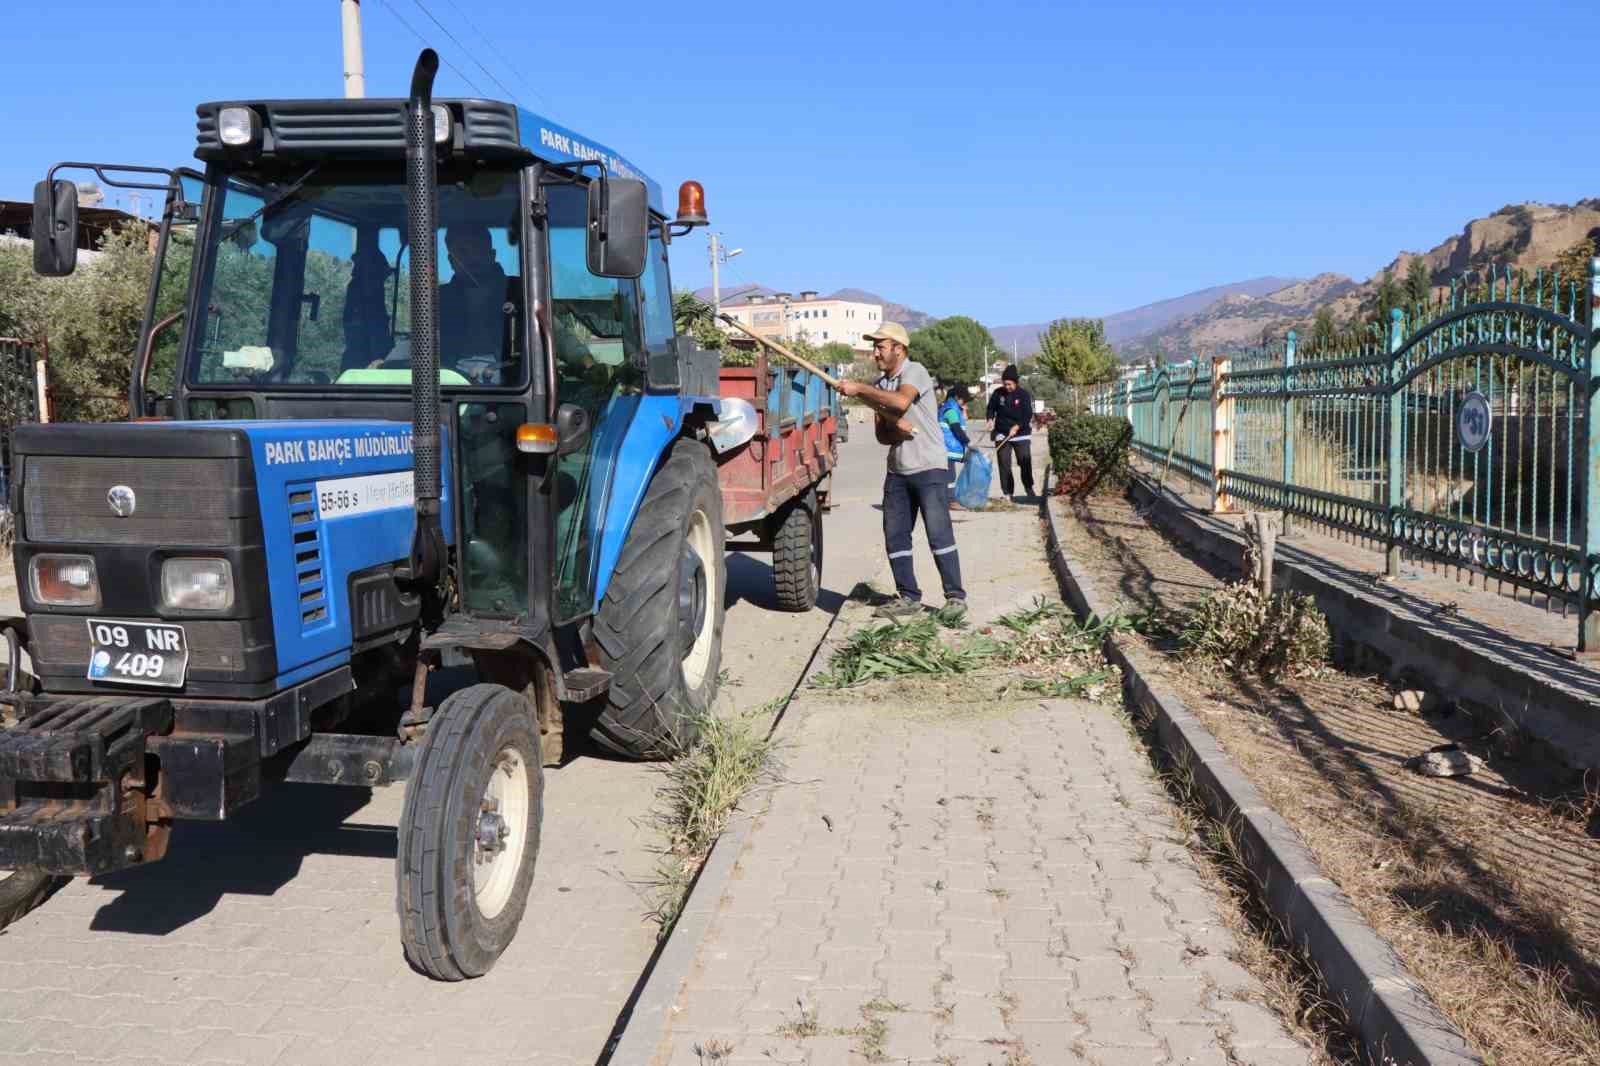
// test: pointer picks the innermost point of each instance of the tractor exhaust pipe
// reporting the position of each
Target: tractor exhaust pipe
(427, 547)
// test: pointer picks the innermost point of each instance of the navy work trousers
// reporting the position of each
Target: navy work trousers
(904, 496)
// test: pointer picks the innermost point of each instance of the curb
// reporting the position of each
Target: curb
(647, 1022)
(1397, 1021)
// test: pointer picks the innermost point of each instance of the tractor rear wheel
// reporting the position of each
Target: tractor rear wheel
(797, 553)
(22, 890)
(469, 832)
(659, 627)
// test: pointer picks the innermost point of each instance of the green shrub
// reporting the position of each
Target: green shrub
(1089, 452)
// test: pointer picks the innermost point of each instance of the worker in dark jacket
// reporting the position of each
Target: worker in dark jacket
(1010, 427)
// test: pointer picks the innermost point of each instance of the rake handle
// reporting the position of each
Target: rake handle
(803, 364)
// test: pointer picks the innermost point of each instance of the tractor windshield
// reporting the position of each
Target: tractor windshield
(305, 280)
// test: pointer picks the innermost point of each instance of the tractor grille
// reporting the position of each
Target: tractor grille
(62, 644)
(64, 501)
(305, 527)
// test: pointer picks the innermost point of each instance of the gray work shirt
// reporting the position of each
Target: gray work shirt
(925, 451)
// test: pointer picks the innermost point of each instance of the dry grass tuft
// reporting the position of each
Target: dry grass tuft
(699, 792)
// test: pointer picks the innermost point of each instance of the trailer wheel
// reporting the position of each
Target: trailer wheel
(659, 627)
(797, 553)
(22, 890)
(469, 833)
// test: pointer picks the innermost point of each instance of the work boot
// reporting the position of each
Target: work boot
(900, 608)
(954, 609)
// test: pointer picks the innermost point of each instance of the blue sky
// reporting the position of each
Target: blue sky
(1013, 161)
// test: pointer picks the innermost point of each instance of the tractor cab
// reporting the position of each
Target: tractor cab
(407, 395)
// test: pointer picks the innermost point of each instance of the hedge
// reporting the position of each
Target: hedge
(1089, 452)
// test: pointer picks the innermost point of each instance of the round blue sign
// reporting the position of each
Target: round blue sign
(1472, 421)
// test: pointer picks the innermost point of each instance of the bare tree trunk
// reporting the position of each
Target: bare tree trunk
(1266, 542)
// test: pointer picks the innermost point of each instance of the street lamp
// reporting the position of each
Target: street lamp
(719, 255)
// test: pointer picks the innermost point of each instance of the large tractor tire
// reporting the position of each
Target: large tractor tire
(659, 627)
(469, 833)
(23, 890)
(797, 553)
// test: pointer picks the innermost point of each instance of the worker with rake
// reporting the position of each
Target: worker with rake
(916, 481)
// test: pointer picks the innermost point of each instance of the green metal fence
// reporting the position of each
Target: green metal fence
(1171, 413)
(1465, 434)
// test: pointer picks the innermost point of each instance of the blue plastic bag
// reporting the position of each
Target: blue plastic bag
(972, 484)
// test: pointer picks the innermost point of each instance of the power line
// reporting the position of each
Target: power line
(486, 39)
(457, 70)
(446, 31)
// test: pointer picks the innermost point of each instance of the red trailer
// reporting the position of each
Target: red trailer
(777, 444)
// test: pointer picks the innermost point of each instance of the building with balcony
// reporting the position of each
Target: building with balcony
(807, 316)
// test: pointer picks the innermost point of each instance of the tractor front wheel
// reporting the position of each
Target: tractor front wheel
(469, 832)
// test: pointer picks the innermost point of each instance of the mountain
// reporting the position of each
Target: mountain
(908, 317)
(1519, 236)
(1125, 327)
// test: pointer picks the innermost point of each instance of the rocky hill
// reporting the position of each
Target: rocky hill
(1127, 327)
(1525, 236)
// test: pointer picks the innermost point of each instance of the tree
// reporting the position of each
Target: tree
(1076, 352)
(836, 353)
(1043, 384)
(691, 316)
(90, 319)
(1389, 296)
(1419, 281)
(1324, 331)
(953, 349)
(1572, 265)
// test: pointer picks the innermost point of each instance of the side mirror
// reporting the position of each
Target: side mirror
(619, 227)
(572, 428)
(55, 228)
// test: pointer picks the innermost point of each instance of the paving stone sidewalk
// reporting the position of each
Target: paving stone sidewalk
(980, 885)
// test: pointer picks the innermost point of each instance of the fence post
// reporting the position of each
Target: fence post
(1588, 619)
(1288, 430)
(1221, 434)
(1397, 451)
(41, 380)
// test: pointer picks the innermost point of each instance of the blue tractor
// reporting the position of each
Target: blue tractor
(427, 409)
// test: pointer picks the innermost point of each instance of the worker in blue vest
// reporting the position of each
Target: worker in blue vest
(953, 420)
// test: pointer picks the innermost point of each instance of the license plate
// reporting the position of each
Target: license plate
(137, 653)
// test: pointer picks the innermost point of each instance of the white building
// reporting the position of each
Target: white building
(817, 320)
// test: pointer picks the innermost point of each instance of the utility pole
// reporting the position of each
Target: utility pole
(355, 78)
(719, 255)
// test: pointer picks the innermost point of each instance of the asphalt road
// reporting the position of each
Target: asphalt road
(272, 938)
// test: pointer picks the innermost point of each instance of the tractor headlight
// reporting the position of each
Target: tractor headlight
(237, 127)
(441, 124)
(64, 581)
(197, 584)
